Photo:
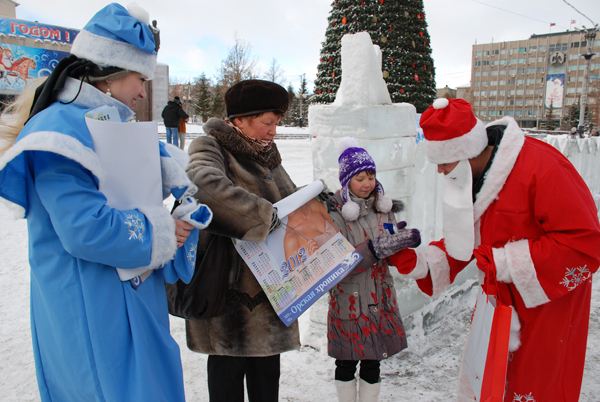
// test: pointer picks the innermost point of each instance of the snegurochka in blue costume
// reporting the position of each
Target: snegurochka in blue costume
(95, 337)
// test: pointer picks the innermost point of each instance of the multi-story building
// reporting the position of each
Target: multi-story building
(525, 78)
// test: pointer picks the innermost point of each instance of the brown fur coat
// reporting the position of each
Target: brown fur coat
(240, 186)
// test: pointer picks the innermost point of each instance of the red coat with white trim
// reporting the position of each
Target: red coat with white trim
(538, 215)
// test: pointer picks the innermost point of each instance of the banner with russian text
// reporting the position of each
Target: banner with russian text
(299, 262)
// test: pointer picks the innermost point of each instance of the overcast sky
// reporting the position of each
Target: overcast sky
(196, 34)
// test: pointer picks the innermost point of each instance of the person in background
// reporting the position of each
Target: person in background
(171, 115)
(95, 337)
(182, 132)
(594, 132)
(519, 208)
(238, 170)
(363, 322)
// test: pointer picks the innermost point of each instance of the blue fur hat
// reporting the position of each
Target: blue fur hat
(352, 161)
(118, 37)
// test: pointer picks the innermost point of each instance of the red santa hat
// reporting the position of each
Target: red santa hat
(452, 132)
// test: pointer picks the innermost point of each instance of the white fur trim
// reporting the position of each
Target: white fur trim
(466, 146)
(15, 211)
(139, 13)
(504, 161)
(108, 52)
(164, 241)
(421, 269)
(515, 332)
(350, 211)
(57, 143)
(384, 203)
(173, 176)
(187, 208)
(440, 103)
(180, 156)
(523, 274)
(439, 268)
(502, 272)
(345, 143)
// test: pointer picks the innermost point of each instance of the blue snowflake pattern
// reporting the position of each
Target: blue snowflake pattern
(136, 227)
(523, 398)
(191, 255)
(575, 277)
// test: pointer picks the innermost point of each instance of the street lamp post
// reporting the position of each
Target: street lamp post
(590, 36)
(301, 96)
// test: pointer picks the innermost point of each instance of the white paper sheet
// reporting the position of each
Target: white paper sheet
(130, 158)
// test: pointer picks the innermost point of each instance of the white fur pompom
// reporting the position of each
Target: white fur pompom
(350, 211)
(440, 103)
(384, 204)
(138, 13)
(345, 143)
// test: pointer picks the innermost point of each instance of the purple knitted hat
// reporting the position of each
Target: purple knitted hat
(352, 161)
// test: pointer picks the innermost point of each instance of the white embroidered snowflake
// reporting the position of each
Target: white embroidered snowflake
(344, 164)
(523, 398)
(136, 227)
(575, 277)
(361, 157)
(191, 255)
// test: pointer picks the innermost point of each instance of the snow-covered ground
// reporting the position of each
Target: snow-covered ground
(427, 371)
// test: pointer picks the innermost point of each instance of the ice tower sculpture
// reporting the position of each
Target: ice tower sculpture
(363, 110)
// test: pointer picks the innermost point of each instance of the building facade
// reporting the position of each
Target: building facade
(527, 78)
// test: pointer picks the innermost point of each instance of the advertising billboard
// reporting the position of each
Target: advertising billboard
(19, 65)
(555, 85)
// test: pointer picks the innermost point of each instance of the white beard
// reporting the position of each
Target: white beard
(457, 212)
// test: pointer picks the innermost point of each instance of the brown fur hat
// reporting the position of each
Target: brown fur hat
(253, 97)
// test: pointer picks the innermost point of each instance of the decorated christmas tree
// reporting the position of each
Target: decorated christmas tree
(399, 28)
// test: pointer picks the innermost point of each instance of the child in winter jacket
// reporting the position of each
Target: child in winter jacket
(363, 322)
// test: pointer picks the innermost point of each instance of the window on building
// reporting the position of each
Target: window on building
(477, 63)
(502, 82)
(511, 92)
(483, 103)
(530, 81)
(491, 112)
(578, 90)
(496, 62)
(520, 70)
(495, 72)
(509, 112)
(574, 56)
(513, 61)
(570, 101)
(500, 113)
(503, 51)
(501, 93)
(533, 48)
(556, 69)
(519, 102)
(483, 93)
(475, 93)
(528, 102)
(563, 47)
(484, 83)
(531, 70)
(512, 81)
(477, 73)
(517, 113)
(540, 69)
(495, 51)
(529, 112)
(541, 59)
(484, 73)
(529, 92)
(520, 92)
(594, 77)
(542, 48)
(502, 62)
(514, 51)
(538, 91)
(493, 93)
(492, 103)
(520, 81)
(485, 52)
(522, 49)
(502, 72)
(478, 54)
(485, 63)
(494, 83)
(571, 90)
(597, 42)
(475, 83)
(482, 112)
(574, 44)
(522, 60)
(500, 103)
(573, 67)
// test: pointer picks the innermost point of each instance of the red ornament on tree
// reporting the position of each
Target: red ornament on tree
(413, 65)
(416, 78)
(333, 74)
(424, 67)
(344, 21)
(330, 59)
(390, 27)
(362, 3)
(381, 1)
(319, 92)
(421, 33)
(329, 90)
(402, 91)
(392, 60)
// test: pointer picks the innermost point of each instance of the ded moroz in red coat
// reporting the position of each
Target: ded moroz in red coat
(538, 215)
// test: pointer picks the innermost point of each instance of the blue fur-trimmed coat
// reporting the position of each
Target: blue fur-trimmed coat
(95, 338)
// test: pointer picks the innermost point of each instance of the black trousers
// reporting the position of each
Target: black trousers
(226, 378)
(369, 370)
